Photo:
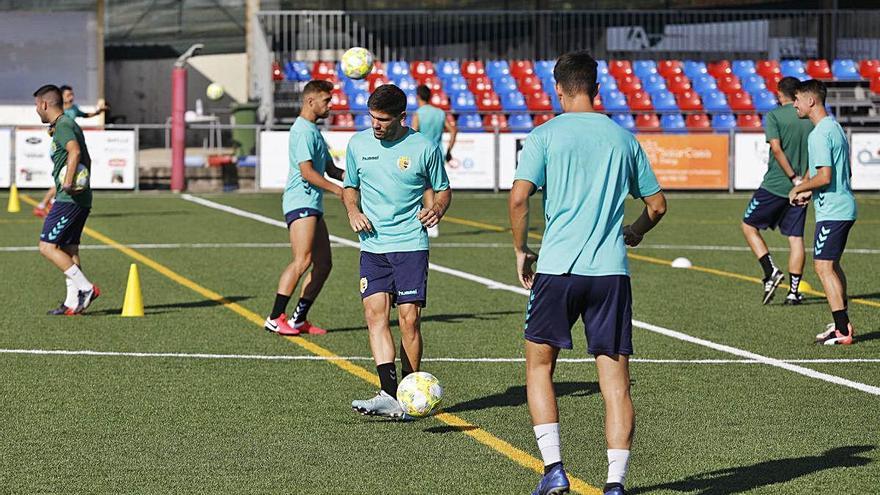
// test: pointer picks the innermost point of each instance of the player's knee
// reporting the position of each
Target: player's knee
(747, 229)
(823, 267)
(409, 321)
(47, 249)
(302, 262)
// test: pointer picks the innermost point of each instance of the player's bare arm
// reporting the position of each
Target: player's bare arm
(414, 125)
(431, 214)
(821, 179)
(359, 222)
(655, 208)
(311, 175)
(452, 129)
(518, 209)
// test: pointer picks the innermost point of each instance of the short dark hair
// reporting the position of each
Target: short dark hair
(389, 99)
(50, 94)
(816, 88)
(575, 72)
(317, 86)
(424, 93)
(65, 88)
(788, 86)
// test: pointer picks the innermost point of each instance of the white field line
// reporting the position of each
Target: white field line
(243, 245)
(310, 357)
(493, 284)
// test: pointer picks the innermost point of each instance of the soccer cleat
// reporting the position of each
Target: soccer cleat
(831, 336)
(771, 284)
(86, 298)
(434, 231)
(613, 489)
(380, 405)
(61, 310)
(553, 483)
(279, 325)
(829, 331)
(307, 327)
(793, 299)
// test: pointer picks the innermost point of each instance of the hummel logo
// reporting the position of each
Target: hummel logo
(303, 214)
(751, 208)
(365, 158)
(821, 199)
(58, 228)
(821, 236)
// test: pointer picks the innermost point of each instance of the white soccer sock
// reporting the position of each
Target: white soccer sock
(548, 442)
(618, 462)
(78, 278)
(72, 299)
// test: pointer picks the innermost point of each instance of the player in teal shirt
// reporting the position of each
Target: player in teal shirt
(388, 168)
(303, 207)
(835, 204)
(586, 166)
(431, 121)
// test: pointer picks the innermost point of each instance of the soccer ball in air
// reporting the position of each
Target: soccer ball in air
(419, 393)
(80, 178)
(214, 91)
(357, 62)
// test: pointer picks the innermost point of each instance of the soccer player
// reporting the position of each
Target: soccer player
(835, 204)
(387, 171)
(62, 229)
(769, 207)
(586, 165)
(303, 207)
(431, 121)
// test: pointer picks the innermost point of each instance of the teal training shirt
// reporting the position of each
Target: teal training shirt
(304, 144)
(73, 112)
(431, 123)
(586, 164)
(828, 148)
(391, 177)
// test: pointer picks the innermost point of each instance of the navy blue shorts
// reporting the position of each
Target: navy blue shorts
(64, 224)
(829, 241)
(294, 215)
(403, 275)
(603, 303)
(768, 211)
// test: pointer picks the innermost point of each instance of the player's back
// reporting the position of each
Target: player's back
(431, 122)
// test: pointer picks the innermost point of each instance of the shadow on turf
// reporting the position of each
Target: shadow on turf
(822, 300)
(443, 318)
(150, 213)
(153, 309)
(516, 396)
(746, 478)
(450, 429)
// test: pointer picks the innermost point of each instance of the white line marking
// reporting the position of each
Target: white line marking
(257, 357)
(492, 284)
(694, 247)
(241, 245)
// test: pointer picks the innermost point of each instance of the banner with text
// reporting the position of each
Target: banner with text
(865, 153)
(5, 157)
(511, 145)
(688, 161)
(750, 156)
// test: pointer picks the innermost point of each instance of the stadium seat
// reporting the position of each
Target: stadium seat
(629, 84)
(729, 84)
(698, 122)
(436, 84)
(749, 121)
(505, 84)
(653, 82)
(324, 70)
(640, 101)
(342, 122)
(520, 122)
(875, 85)
(374, 82)
(678, 83)
(405, 82)
(607, 82)
(496, 121)
(362, 121)
(741, 101)
(454, 84)
(673, 123)
(773, 82)
(597, 103)
(469, 122)
(753, 83)
(664, 101)
(394, 69)
(354, 85)
(419, 69)
(542, 118)
(764, 101)
(463, 101)
(704, 83)
(447, 68)
(723, 121)
(529, 84)
(869, 69)
(479, 84)
(339, 100)
(298, 71)
(793, 68)
(743, 68)
(715, 101)
(669, 68)
(412, 101)
(539, 101)
(358, 101)
(644, 68)
(521, 68)
(845, 70)
(614, 101)
(647, 122)
(819, 69)
(767, 68)
(544, 68)
(440, 100)
(694, 68)
(620, 68)
(513, 102)
(719, 68)
(472, 68)
(549, 84)
(624, 120)
(601, 67)
(689, 101)
(497, 68)
(554, 100)
(488, 101)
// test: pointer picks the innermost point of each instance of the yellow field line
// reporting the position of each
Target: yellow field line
(517, 455)
(659, 261)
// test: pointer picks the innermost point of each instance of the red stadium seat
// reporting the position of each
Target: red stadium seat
(440, 100)
(647, 122)
(374, 81)
(538, 101)
(433, 83)
(629, 84)
(542, 118)
(323, 69)
(472, 68)
(640, 101)
(342, 121)
(869, 69)
(620, 68)
(749, 121)
(875, 85)
(479, 84)
(597, 103)
(669, 68)
(819, 69)
(521, 68)
(740, 101)
(698, 121)
(339, 100)
(689, 101)
(529, 84)
(678, 84)
(729, 84)
(767, 68)
(773, 82)
(421, 69)
(490, 122)
(378, 69)
(719, 68)
(488, 101)
(277, 74)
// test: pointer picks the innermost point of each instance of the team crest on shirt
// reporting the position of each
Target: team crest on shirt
(403, 163)
(363, 285)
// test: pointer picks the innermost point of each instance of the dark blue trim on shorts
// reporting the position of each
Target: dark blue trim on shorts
(294, 215)
(829, 240)
(64, 224)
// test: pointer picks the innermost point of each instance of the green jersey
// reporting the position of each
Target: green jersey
(432, 120)
(829, 148)
(783, 124)
(63, 131)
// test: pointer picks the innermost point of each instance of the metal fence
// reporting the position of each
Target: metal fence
(704, 35)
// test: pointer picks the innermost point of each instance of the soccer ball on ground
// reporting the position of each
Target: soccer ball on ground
(80, 178)
(419, 394)
(357, 62)
(214, 91)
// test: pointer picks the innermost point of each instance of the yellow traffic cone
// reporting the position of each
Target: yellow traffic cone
(14, 205)
(805, 286)
(133, 304)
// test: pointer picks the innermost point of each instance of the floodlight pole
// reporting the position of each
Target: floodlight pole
(178, 122)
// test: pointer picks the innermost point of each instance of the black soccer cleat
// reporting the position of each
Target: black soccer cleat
(770, 284)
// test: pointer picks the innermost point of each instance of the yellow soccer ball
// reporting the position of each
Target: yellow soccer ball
(80, 178)
(214, 91)
(357, 62)
(419, 394)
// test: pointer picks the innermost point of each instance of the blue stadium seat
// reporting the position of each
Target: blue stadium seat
(504, 84)
(497, 68)
(664, 101)
(715, 101)
(723, 121)
(653, 82)
(454, 84)
(607, 82)
(743, 68)
(520, 122)
(353, 86)
(357, 101)
(764, 101)
(703, 83)
(554, 99)
(396, 68)
(624, 120)
(297, 71)
(602, 67)
(549, 84)
(512, 102)
(673, 123)
(694, 68)
(362, 121)
(544, 68)
(463, 101)
(753, 83)
(404, 82)
(615, 101)
(644, 68)
(793, 68)
(447, 68)
(845, 70)
(469, 122)
(412, 102)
